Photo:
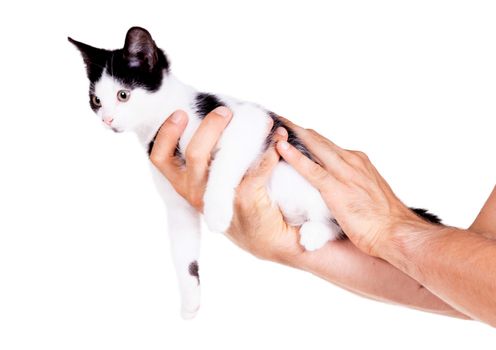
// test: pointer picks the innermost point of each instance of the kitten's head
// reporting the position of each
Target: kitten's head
(121, 80)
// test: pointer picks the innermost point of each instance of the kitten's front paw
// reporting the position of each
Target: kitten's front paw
(314, 235)
(218, 214)
(188, 313)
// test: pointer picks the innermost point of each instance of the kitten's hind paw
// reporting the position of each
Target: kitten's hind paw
(315, 234)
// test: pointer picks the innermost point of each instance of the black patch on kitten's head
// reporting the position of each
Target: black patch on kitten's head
(95, 59)
(140, 63)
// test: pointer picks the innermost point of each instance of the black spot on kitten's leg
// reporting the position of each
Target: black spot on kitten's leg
(292, 138)
(423, 213)
(193, 270)
(205, 103)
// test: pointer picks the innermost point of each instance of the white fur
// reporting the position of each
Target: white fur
(240, 145)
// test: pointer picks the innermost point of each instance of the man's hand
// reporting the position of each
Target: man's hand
(189, 179)
(360, 199)
(258, 225)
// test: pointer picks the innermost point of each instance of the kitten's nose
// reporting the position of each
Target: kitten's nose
(108, 120)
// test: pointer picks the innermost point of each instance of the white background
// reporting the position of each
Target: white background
(84, 255)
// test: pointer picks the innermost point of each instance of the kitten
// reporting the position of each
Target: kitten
(132, 89)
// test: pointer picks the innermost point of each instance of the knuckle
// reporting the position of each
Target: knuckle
(311, 131)
(317, 172)
(356, 158)
(193, 155)
(156, 158)
(362, 155)
(195, 200)
(213, 119)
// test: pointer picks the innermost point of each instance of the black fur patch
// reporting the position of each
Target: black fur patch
(205, 103)
(94, 59)
(423, 213)
(150, 145)
(139, 64)
(133, 77)
(194, 270)
(292, 138)
(117, 66)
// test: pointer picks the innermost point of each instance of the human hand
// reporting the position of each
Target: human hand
(258, 225)
(190, 178)
(360, 199)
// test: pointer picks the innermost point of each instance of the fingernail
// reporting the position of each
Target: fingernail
(283, 145)
(222, 111)
(281, 131)
(176, 117)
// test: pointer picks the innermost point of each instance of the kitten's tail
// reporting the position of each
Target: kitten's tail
(423, 213)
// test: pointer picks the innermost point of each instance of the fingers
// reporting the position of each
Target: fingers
(207, 135)
(302, 132)
(202, 143)
(314, 173)
(314, 141)
(162, 154)
(260, 174)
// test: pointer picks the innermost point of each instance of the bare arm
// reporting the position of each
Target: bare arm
(485, 223)
(345, 265)
(458, 266)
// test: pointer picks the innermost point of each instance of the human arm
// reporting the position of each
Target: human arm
(485, 223)
(259, 228)
(458, 266)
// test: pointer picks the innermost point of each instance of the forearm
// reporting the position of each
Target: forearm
(341, 263)
(485, 222)
(457, 265)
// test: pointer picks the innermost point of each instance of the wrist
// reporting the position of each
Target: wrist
(295, 259)
(405, 241)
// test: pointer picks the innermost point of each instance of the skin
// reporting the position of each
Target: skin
(392, 255)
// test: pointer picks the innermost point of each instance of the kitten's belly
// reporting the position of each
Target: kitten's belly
(297, 199)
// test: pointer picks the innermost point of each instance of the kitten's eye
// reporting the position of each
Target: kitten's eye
(96, 101)
(123, 95)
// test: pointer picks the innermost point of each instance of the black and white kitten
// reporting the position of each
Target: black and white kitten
(132, 89)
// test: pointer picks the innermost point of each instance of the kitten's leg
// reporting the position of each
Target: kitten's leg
(239, 146)
(184, 232)
(302, 205)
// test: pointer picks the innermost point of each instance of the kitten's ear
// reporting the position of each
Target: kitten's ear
(140, 49)
(92, 56)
